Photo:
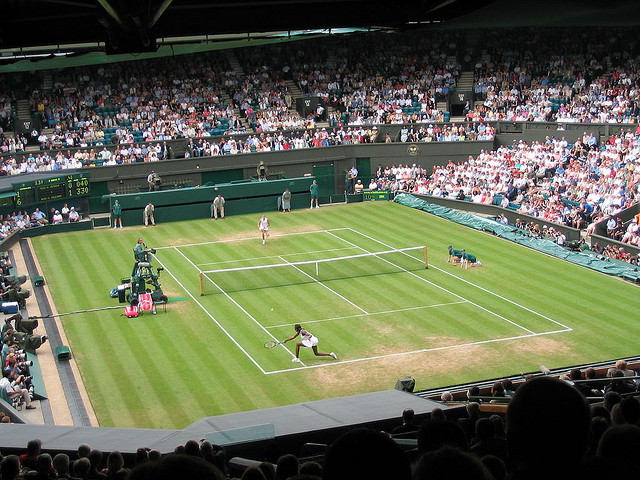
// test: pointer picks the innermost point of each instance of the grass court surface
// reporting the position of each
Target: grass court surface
(385, 316)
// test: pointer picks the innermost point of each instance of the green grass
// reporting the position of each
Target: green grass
(442, 325)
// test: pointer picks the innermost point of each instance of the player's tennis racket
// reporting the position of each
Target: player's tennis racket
(271, 343)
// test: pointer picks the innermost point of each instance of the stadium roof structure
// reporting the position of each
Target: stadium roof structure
(68, 27)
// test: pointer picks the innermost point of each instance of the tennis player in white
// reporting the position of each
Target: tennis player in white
(263, 226)
(308, 341)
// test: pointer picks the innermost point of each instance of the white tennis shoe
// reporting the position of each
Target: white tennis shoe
(334, 356)
(295, 360)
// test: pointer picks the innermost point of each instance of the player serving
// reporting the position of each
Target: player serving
(308, 340)
(263, 226)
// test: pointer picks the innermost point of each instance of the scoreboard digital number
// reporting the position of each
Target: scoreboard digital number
(52, 188)
(375, 195)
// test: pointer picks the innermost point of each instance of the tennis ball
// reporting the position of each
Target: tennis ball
(272, 309)
(216, 189)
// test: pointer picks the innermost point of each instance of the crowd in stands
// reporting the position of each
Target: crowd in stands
(534, 74)
(22, 219)
(539, 74)
(570, 184)
(549, 430)
(446, 132)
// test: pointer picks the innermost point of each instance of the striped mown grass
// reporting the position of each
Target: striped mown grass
(442, 325)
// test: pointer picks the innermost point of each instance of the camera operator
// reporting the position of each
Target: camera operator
(17, 366)
(141, 254)
(154, 181)
(16, 389)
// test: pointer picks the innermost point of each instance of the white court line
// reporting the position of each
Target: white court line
(276, 256)
(328, 288)
(413, 352)
(237, 305)
(567, 328)
(255, 237)
(385, 312)
(212, 317)
(436, 285)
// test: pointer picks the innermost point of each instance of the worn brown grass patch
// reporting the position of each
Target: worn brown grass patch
(449, 363)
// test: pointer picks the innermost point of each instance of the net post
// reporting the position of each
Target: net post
(426, 258)
(201, 284)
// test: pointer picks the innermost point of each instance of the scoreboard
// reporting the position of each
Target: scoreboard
(52, 188)
(373, 195)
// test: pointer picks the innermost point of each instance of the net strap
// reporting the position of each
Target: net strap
(311, 262)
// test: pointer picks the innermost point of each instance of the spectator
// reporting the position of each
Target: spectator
(75, 217)
(364, 453)
(548, 421)
(408, 425)
(115, 467)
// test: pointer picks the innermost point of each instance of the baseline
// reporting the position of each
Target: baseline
(250, 238)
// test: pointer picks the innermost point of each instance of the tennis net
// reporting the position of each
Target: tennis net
(322, 270)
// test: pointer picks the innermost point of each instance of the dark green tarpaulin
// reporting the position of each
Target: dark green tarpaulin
(585, 258)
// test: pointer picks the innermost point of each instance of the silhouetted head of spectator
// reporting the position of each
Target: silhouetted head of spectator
(311, 468)
(610, 399)
(253, 473)
(548, 423)
(192, 448)
(365, 453)
(474, 391)
(173, 467)
(61, 464)
(81, 467)
(450, 462)
(601, 411)
(507, 384)
(287, 466)
(621, 443)
(630, 410)
(179, 450)
(44, 464)
(268, 470)
(33, 447)
(497, 390)
(10, 467)
(408, 415)
(438, 414)
(496, 466)
(154, 455)
(115, 462)
(473, 409)
(590, 373)
(575, 374)
(485, 429)
(142, 456)
(83, 450)
(95, 457)
(434, 434)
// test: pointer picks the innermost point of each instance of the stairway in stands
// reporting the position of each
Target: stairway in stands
(237, 69)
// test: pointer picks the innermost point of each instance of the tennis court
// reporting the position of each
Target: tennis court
(385, 316)
(358, 284)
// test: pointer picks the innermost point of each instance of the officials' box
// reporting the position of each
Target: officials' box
(9, 308)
